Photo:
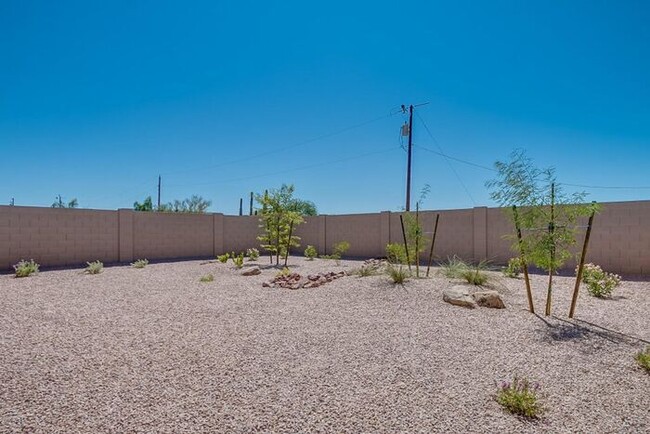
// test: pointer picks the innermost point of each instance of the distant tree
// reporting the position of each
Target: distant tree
(60, 204)
(303, 207)
(194, 204)
(146, 205)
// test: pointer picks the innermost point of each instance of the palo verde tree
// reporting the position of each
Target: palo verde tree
(278, 221)
(544, 216)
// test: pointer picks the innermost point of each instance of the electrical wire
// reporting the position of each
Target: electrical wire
(275, 150)
(295, 169)
(607, 187)
(447, 159)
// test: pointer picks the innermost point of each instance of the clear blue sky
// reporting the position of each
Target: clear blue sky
(97, 99)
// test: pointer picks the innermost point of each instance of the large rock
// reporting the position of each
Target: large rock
(252, 271)
(489, 299)
(458, 295)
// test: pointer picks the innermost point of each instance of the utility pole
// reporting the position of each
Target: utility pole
(410, 153)
(241, 206)
(251, 205)
(159, 180)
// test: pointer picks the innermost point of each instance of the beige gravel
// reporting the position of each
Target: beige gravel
(155, 350)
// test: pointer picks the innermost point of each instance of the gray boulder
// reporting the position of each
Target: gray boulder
(459, 296)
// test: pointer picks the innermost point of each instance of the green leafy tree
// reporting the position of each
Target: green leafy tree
(546, 214)
(278, 221)
(146, 205)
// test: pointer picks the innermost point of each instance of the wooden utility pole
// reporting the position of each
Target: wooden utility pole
(159, 182)
(408, 164)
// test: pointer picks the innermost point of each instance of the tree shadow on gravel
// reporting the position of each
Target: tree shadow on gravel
(561, 330)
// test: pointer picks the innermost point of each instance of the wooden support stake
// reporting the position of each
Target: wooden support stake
(286, 255)
(524, 263)
(417, 239)
(581, 266)
(433, 241)
(551, 231)
(406, 246)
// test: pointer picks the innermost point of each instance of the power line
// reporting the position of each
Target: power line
(607, 187)
(469, 163)
(460, 181)
(275, 150)
(295, 169)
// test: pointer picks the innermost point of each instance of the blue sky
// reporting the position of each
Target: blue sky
(224, 98)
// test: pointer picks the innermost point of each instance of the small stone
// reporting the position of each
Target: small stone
(252, 271)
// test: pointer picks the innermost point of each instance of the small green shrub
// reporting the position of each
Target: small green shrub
(238, 260)
(26, 268)
(253, 254)
(95, 267)
(223, 258)
(514, 267)
(398, 275)
(599, 283)
(340, 249)
(454, 268)
(311, 253)
(207, 278)
(140, 263)
(519, 397)
(284, 272)
(396, 253)
(643, 359)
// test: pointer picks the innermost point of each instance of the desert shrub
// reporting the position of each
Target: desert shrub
(94, 267)
(643, 359)
(238, 260)
(396, 253)
(341, 248)
(398, 275)
(476, 274)
(253, 254)
(454, 268)
(223, 258)
(26, 268)
(140, 263)
(514, 268)
(311, 253)
(519, 397)
(207, 278)
(367, 270)
(283, 273)
(599, 283)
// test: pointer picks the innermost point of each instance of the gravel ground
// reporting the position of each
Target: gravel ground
(155, 350)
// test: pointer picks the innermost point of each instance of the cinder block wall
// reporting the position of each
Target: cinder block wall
(620, 239)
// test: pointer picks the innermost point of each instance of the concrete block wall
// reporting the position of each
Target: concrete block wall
(620, 239)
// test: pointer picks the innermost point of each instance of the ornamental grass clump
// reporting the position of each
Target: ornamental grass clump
(643, 359)
(140, 263)
(398, 275)
(207, 278)
(94, 267)
(520, 397)
(26, 268)
(223, 258)
(599, 283)
(238, 260)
